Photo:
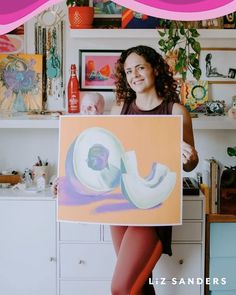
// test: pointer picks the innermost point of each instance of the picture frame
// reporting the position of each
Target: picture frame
(105, 9)
(96, 69)
(216, 71)
(107, 23)
(215, 23)
(194, 95)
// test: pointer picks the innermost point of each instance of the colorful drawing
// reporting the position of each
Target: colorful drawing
(20, 82)
(194, 95)
(97, 69)
(135, 20)
(105, 7)
(13, 42)
(108, 175)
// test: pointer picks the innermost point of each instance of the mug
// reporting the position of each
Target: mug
(39, 171)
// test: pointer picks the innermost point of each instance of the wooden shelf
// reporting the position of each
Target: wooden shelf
(221, 218)
(145, 33)
(23, 121)
(46, 122)
(9, 194)
(213, 123)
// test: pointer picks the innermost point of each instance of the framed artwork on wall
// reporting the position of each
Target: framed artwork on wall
(218, 65)
(104, 8)
(215, 23)
(13, 42)
(194, 95)
(97, 69)
(20, 82)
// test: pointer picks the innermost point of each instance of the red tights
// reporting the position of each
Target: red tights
(138, 250)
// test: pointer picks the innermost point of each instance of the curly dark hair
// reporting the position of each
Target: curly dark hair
(166, 86)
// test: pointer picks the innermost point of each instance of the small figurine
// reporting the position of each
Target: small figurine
(215, 108)
(92, 104)
(232, 110)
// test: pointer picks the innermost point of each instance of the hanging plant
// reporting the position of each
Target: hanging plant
(183, 44)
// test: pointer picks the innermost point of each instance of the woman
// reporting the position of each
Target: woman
(146, 85)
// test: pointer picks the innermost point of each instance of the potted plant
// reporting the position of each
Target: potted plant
(181, 48)
(80, 14)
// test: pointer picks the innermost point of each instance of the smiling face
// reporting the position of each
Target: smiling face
(139, 74)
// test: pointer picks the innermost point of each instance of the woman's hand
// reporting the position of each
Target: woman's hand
(189, 156)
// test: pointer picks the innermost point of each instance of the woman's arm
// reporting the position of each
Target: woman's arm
(190, 156)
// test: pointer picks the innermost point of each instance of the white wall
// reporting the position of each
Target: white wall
(19, 148)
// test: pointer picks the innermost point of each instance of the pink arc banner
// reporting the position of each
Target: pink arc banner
(14, 12)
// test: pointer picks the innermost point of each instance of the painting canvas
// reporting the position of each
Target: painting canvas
(105, 8)
(110, 174)
(135, 20)
(194, 95)
(13, 42)
(20, 82)
(97, 68)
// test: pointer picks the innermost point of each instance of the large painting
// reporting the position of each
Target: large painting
(120, 170)
(20, 82)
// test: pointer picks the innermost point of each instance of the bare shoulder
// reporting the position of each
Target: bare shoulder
(179, 109)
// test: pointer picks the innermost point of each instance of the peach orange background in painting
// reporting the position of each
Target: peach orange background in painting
(155, 139)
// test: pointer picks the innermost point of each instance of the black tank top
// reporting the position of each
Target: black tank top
(165, 108)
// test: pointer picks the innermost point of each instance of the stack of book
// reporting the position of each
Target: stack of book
(210, 178)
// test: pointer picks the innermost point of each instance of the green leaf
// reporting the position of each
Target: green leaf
(182, 31)
(171, 44)
(191, 40)
(161, 33)
(162, 42)
(184, 75)
(197, 73)
(194, 32)
(196, 47)
(194, 62)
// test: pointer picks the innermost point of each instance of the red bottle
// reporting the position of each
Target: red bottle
(73, 92)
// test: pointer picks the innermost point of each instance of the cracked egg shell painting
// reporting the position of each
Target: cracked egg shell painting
(120, 170)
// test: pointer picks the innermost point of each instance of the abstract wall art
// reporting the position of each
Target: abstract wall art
(97, 69)
(20, 82)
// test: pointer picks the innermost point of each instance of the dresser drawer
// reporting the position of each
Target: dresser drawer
(184, 263)
(87, 261)
(192, 209)
(223, 267)
(223, 240)
(85, 287)
(189, 231)
(79, 232)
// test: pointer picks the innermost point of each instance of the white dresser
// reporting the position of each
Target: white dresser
(27, 244)
(87, 258)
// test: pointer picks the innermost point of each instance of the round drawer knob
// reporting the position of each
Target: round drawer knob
(181, 261)
(81, 261)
